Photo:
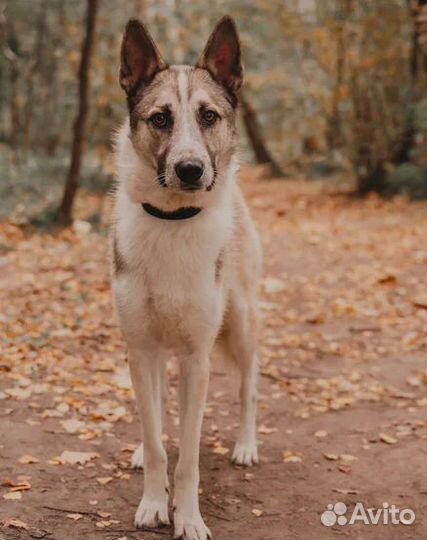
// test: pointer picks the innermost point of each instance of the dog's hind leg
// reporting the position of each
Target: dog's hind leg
(145, 368)
(138, 455)
(240, 333)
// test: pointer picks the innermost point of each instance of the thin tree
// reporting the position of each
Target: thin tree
(419, 13)
(253, 130)
(65, 212)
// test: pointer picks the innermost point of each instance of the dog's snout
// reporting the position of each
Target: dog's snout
(189, 172)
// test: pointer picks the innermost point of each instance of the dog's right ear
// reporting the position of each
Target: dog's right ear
(139, 56)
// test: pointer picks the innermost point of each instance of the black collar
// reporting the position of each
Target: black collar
(186, 212)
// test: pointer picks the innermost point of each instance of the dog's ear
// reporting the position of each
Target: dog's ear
(222, 56)
(139, 56)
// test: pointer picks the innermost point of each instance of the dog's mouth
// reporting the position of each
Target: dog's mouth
(187, 188)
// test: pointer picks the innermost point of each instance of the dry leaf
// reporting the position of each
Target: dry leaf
(291, 457)
(17, 486)
(27, 460)
(73, 458)
(330, 457)
(221, 450)
(74, 517)
(104, 514)
(257, 512)
(347, 457)
(104, 480)
(265, 430)
(14, 522)
(13, 496)
(388, 439)
(73, 425)
(273, 285)
(321, 433)
(104, 523)
(345, 491)
(413, 381)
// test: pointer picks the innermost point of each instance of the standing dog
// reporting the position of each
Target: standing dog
(186, 256)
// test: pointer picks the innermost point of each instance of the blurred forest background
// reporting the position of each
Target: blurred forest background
(335, 89)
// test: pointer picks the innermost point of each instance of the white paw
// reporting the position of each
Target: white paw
(138, 458)
(245, 454)
(190, 528)
(152, 513)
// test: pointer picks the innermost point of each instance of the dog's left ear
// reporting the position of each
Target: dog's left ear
(222, 56)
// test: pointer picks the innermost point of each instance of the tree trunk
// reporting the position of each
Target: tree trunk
(64, 215)
(37, 58)
(253, 130)
(419, 13)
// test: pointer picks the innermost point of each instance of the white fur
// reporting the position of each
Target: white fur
(169, 297)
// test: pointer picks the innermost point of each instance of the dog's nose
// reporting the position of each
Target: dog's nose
(189, 172)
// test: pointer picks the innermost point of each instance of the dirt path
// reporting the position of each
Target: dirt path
(342, 390)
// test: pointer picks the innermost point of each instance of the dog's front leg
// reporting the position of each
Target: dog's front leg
(193, 387)
(145, 368)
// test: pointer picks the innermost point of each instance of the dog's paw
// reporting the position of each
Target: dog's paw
(190, 528)
(152, 513)
(138, 458)
(245, 454)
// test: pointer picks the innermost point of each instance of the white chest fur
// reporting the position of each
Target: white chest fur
(169, 281)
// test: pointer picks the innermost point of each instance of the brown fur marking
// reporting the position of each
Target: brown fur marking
(118, 261)
(219, 263)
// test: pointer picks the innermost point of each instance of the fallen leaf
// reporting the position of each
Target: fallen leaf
(18, 393)
(347, 457)
(291, 457)
(73, 425)
(221, 450)
(345, 491)
(388, 439)
(330, 457)
(73, 458)
(13, 496)
(104, 480)
(17, 486)
(104, 514)
(28, 460)
(265, 430)
(257, 512)
(14, 522)
(74, 517)
(102, 524)
(273, 285)
(321, 434)
(387, 279)
(413, 381)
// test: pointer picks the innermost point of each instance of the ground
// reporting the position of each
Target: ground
(342, 386)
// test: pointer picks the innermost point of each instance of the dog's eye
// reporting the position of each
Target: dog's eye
(159, 120)
(209, 117)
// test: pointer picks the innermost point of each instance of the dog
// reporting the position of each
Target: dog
(186, 257)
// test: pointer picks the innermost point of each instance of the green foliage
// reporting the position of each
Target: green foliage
(408, 179)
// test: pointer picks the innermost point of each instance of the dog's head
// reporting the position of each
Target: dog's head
(182, 118)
